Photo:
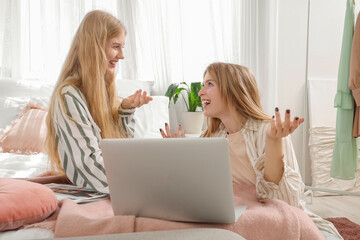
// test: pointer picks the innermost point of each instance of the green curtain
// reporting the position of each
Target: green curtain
(345, 155)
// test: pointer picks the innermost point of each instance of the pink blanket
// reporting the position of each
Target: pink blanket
(263, 219)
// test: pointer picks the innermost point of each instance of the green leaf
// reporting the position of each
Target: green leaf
(171, 90)
(177, 92)
(193, 101)
(194, 98)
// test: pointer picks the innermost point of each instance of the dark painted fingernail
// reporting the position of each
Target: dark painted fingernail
(296, 118)
(287, 111)
(273, 116)
(165, 124)
(277, 109)
(160, 129)
(179, 125)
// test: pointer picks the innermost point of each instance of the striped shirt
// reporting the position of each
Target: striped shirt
(78, 140)
(291, 187)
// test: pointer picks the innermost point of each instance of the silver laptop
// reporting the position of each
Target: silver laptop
(178, 179)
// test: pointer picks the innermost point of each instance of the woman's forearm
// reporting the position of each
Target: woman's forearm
(274, 166)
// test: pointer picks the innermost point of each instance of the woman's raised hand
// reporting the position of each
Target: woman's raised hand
(167, 133)
(281, 129)
(138, 99)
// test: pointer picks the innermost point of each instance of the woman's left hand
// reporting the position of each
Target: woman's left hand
(138, 99)
(281, 129)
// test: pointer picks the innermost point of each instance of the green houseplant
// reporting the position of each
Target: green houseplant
(193, 98)
(191, 120)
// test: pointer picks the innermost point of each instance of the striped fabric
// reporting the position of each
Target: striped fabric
(291, 187)
(78, 140)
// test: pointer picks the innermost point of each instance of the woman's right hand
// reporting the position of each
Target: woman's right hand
(167, 133)
(136, 100)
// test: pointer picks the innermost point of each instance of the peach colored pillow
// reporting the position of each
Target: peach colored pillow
(27, 133)
(24, 202)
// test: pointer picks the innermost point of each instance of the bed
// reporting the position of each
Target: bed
(22, 115)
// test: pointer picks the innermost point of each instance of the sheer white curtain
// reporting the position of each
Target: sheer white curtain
(167, 41)
(174, 41)
(267, 50)
(153, 48)
(5, 39)
(36, 35)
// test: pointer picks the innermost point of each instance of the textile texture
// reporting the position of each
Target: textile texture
(347, 229)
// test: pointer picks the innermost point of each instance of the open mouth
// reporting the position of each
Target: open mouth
(205, 103)
(113, 63)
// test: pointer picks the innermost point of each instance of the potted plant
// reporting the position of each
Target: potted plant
(192, 120)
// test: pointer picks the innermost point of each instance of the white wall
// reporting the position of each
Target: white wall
(291, 71)
(299, 61)
(325, 36)
(326, 23)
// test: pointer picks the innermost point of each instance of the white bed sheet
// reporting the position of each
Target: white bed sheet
(24, 234)
(14, 165)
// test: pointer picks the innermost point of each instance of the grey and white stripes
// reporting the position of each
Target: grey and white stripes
(78, 140)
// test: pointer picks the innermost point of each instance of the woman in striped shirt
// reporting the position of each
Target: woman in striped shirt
(261, 151)
(84, 106)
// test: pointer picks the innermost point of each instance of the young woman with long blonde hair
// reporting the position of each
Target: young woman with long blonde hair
(261, 152)
(84, 106)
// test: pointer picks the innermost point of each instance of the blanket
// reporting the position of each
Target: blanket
(263, 219)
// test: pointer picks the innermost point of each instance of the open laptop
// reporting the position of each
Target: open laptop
(178, 179)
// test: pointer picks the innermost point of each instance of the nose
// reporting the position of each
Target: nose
(201, 92)
(121, 55)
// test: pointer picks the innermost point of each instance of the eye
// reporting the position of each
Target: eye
(209, 84)
(116, 47)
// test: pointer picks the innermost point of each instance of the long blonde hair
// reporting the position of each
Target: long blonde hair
(238, 88)
(85, 68)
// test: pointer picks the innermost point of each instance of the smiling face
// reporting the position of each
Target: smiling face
(213, 103)
(114, 51)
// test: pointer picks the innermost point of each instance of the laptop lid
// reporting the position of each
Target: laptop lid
(178, 179)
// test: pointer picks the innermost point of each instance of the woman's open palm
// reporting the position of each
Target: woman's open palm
(138, 99)
(280, 129)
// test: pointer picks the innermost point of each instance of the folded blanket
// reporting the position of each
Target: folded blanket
(263, 219)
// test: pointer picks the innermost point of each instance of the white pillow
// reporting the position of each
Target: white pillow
(16, 94)
(151, 117)
(29, 88)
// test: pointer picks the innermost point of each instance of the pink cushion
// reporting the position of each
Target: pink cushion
(27, 134)
(24, 202)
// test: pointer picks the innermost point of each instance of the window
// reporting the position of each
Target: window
(167, 41)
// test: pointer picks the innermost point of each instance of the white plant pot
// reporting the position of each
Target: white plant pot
(192, 122)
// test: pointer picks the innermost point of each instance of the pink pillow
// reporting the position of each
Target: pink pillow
(24, 202)
(27, 133)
